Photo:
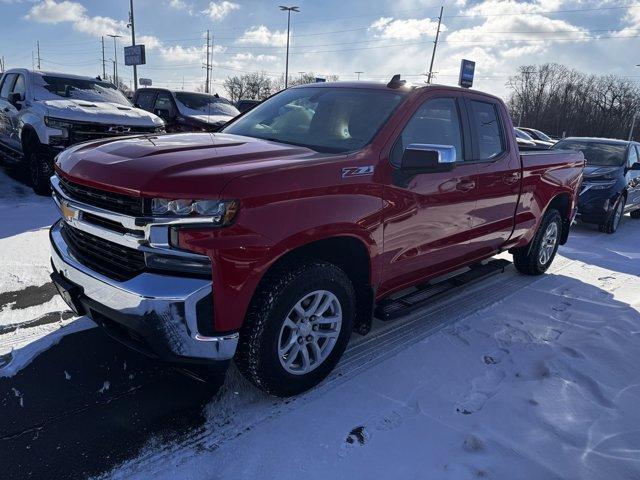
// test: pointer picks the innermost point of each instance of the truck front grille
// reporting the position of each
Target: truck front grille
(82, 132)
(108, 258)
(114, 202)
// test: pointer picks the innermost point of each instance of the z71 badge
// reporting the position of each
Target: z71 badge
(357, 171)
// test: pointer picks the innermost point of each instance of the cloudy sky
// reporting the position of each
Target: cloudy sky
(376, 37)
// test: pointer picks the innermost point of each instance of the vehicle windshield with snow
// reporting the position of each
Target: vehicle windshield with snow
(55, 87)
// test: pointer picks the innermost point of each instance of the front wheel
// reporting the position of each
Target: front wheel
(40, 171)
(297, 327)
(613, 220)
(536, 258)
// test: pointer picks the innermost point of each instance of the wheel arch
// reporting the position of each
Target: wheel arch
(562, 203)
(349, 253)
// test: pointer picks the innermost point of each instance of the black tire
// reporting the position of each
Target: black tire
(257, 356)
(40, 171)
(611, 224)
(635, 214)
(529, 260)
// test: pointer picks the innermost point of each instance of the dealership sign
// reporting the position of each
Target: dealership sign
(135, 55)
(145, 82)
(467, 70)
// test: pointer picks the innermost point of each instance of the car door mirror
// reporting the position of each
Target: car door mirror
(15, 98)
(163, 113)
(428, 158)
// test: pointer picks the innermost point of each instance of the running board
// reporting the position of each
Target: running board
(392, 308)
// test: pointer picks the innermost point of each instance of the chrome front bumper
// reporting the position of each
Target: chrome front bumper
(163, 305)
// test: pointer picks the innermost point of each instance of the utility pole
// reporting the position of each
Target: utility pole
(104, 65)
(2, 64)
(133, 42)
(435, 45)
(38, 45)
(358, 73)
(286, 69)
(207, 66)
(115, 59)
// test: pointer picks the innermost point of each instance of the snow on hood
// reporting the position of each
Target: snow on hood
(100, 112)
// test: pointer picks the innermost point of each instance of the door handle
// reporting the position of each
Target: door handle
(511, 178)
(465, 185)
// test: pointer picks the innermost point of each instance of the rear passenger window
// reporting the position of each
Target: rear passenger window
(145, 100)
(484, 116)
(436, 122)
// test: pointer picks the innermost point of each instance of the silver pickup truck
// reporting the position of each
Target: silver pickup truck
(42, 113)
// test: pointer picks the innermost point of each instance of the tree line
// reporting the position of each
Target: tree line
(564, 102)
(258, 86)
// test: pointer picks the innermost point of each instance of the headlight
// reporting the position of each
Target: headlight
(159, 129)
(57, 123)
(222, 212)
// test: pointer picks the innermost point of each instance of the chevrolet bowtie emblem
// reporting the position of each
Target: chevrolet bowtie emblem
(68, 213)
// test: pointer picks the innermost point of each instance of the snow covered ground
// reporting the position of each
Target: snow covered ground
(512, 378)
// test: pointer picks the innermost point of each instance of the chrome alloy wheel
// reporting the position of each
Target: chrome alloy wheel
(309, 332)
(549, 241)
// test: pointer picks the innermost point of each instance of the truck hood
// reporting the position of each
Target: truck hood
(100, 112)
(211, 119)
(185, 165)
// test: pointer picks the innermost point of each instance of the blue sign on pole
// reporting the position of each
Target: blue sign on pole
(467, 69)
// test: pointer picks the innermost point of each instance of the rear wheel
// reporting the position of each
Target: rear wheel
(297, 328)
(614, 218)
(536, 258)
(40, 171)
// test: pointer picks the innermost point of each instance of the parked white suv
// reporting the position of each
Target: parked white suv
(42, 113)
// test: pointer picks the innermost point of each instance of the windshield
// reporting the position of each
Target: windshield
(596, 153)
(55, 88)
(522, 135)
(324, 119)
(542, 136)
(204, 104)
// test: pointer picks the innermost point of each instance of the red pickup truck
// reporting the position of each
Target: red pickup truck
(272, 241)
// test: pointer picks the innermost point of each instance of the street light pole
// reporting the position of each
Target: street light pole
(358, 73)
(133, 42)
(115, 58)
(288, 10)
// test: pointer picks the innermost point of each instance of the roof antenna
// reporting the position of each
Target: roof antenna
(396, 82)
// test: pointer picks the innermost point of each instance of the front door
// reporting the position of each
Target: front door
(427, 215)
(7, 111)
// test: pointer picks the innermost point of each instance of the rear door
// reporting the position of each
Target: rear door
(499, 172)
(428, 215)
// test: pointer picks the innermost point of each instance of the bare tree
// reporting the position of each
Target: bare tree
(558, 100)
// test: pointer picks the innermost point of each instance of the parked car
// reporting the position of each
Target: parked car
(538, 135)
(42, 113)
(524, 141)
(245, 105)
(542, 144)
(611, 184)
(271, 241)
(186, 111)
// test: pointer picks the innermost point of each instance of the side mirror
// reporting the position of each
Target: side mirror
(635, 166)
(163, 113)
(428, 158)
(15, 98)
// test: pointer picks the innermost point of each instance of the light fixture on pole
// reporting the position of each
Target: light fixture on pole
(288, 10)
(115, 58)
(358, 73)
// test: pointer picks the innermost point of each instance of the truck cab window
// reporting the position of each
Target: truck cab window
(145, 99)
(20, 86)
(436, 122)
(7, 84)
(488, 129)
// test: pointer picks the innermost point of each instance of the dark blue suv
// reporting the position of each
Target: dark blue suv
(611, 184)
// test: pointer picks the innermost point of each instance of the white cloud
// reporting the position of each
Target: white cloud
(181, 5)
(219, 10)
(180, 54)
(50, 11)
(261, 35)
(409, 29)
